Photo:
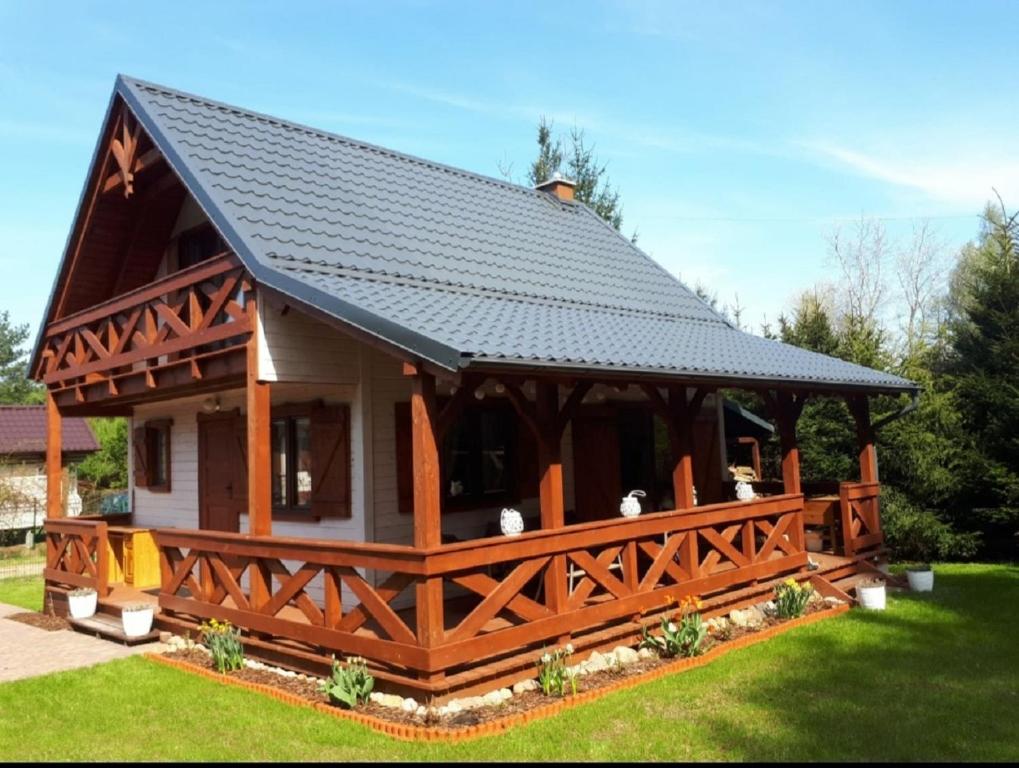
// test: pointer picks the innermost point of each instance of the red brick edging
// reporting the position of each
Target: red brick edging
(406, 732)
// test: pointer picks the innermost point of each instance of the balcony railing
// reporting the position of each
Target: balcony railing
(178, 320)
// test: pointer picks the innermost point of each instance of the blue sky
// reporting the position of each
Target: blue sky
(739, 134)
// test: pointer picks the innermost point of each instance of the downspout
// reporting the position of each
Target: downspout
(909, 407)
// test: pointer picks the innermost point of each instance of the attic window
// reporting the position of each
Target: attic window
(198, 244)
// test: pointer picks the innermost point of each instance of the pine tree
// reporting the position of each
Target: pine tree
(15, 387)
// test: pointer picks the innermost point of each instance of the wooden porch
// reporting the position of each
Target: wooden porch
(495, 613)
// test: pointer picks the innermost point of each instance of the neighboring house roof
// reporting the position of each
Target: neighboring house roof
(741, 422)
(23, 432)
(450, 266)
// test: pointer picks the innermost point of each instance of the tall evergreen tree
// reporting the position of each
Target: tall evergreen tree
(578, 163)
(15, 387)
(984, 373)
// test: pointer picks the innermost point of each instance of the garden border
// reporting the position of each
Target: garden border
(406, 732)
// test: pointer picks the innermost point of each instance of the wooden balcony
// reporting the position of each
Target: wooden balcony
(180, 330)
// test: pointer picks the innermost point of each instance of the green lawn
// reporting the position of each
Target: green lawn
(25, 592)
(932, 678)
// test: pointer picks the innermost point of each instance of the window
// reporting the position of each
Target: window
(152, 456)
(310, 461)
(483, 458)
(197, 245)
(291, 462)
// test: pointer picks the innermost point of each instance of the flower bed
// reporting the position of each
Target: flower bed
(407, 719)
(40, 621)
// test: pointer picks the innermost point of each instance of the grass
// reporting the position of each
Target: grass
(935, 677)
(25, 592)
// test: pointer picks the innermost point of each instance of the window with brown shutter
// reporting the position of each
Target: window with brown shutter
(310, 461)
(151, 453)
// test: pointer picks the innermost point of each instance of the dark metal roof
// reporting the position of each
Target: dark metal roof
(451, 266)
(23, 431)
(740, 422)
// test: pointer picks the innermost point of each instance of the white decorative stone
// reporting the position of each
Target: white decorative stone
(645, 654)
(421, 711)
(832, 601)
(492, 699)
(409, 705)
(625, 656)
(524, 686)
(751, 617)
(596, 663)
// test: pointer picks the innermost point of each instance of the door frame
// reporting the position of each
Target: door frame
(232, 416)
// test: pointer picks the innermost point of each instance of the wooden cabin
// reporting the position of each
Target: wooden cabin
(341, 363)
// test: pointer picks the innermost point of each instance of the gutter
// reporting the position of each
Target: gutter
(909, 407)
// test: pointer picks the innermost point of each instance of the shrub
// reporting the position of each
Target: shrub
(683, 636)
(350, 683)
(918, 535)
(224, 643)
(554, 673)
(791, 599)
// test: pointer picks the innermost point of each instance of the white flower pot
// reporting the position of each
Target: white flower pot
(82, 606)
(137, 623)
(872, 596)
(921, 581)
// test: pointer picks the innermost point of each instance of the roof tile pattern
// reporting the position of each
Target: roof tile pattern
(23, 431)
(487, 268)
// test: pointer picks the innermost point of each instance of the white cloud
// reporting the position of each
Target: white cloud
(951, 178)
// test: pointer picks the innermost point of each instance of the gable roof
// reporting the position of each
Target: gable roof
(453, 267)
(23, 431)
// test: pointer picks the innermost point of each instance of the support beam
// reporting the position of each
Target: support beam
(427, 502)
(550, 491)
(682, 446)
(54, 468)
(259, 437)
(787, 410)
(859, 407)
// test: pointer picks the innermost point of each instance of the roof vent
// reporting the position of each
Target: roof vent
(558, 186)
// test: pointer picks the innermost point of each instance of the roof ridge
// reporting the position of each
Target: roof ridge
(381, 277)
(332, 136)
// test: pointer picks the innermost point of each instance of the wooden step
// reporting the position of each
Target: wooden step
(108, 627)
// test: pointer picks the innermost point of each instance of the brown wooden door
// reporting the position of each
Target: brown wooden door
(220, 498)
(596, 469)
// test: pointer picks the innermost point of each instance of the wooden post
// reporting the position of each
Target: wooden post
(259, 441)
(788, 414)
(54, 475)
(681, 430)
(427, 503)
(259, 429)
(859, 407)
(550, 469)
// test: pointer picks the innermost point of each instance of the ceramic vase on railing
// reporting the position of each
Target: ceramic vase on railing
(630, 506)
(511, 522)
(744, 491)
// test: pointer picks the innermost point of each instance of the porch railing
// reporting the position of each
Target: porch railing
(861, 518)
(613, 570)
(77, 554)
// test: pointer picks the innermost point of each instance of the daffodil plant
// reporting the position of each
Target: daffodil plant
(791, 599)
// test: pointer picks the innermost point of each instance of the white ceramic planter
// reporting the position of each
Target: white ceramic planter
(137, 623)
(871, 597)
(921, 581)
(82, 606)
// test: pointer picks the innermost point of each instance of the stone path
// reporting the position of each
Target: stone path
(29, 651)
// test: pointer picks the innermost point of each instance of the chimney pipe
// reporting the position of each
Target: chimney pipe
(558, 186)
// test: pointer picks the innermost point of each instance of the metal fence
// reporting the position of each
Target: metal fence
(22, 540)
